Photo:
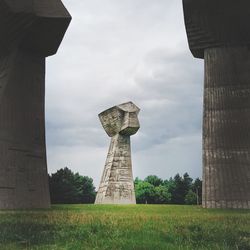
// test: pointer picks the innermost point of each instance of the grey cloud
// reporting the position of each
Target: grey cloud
(113, 52)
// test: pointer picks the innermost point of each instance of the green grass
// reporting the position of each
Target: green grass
(75, 227)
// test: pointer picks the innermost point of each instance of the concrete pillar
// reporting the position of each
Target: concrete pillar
(30, 31)
(218, 32)
(226, 126)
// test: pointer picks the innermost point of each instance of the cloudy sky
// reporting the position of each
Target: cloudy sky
(117, 51)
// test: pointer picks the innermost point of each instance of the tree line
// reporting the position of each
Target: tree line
(177, 190)
(67, 187)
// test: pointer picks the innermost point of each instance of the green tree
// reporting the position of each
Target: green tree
(67, 187)
(154, 180)
(180, 188)
(161, 195)
(136, 181)
(88, 190)
(187, 183)
(170, 184)
(144, 192)
(190, 198)
(197, 189)
(177, 191)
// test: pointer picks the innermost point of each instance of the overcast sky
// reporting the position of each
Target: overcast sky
(117, 51)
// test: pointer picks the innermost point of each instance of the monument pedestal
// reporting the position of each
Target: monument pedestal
(117, 186)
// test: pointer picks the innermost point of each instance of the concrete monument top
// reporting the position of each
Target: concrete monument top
(120, 119)
(215, 23)
(39, 25)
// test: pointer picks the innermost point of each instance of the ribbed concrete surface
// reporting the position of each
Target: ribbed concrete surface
(218, 31)
(23, 167)
(226, 128)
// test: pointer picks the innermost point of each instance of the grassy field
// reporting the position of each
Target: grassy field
(75, 227)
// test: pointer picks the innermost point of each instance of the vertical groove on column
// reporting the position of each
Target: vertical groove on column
(226, 125)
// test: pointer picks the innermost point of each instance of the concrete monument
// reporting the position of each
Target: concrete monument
(219, 33)
(30, 31)
(117, 185)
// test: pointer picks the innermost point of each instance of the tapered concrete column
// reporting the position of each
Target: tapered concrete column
(23, 167)
(29, 32)
(226, 128)
(219, 33)
(117, 184)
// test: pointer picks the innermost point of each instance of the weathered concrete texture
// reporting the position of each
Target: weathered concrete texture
(28, 34)
(117, 186)
(226, 126)
(219, 33)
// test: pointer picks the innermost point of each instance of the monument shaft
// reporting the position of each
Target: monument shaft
(23, 177)
(117, 185)
(30, 31)
(218, 32)
(226, 126)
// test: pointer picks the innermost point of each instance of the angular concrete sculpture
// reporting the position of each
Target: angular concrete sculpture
(117, 185)
(30, 31)
(219, 32)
